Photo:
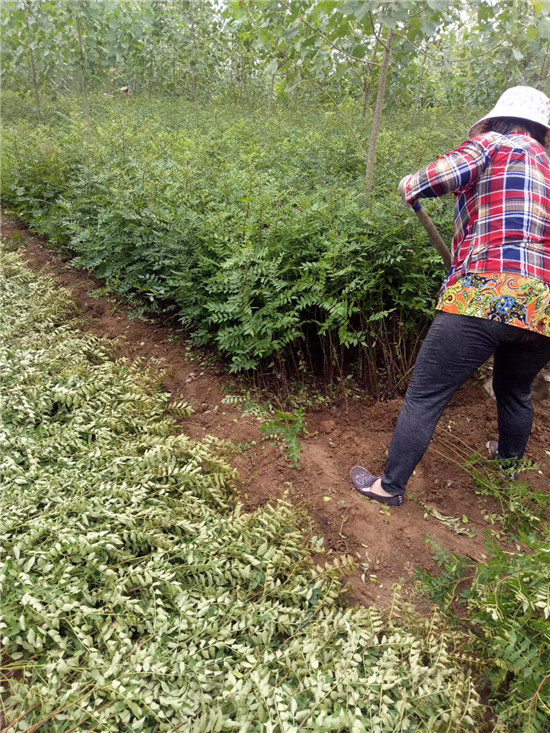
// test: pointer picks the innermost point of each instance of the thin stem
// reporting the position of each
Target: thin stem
(377, 119)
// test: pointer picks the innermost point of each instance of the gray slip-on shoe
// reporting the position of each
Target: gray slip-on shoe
(363, 480)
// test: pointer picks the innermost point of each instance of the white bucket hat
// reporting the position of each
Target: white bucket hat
(525, 103)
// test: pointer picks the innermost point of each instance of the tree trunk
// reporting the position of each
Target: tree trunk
(150, 79)
(366, 79)
(84, 73)
(545, 66)
(271, 85)
(35, 84)
(243, 81)
(33, 67)
(377, 118)
(420, 84)
(194, 67)
(365, 94)
(231, 81)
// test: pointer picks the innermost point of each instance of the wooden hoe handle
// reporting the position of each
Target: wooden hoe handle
(434, 235)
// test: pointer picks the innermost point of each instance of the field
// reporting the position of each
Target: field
(213, 299)
(138, 594)
(96, 413)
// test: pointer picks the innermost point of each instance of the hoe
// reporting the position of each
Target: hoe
(434, 235)
(429, 226)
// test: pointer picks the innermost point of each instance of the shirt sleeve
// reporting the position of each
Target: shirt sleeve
(452, 173)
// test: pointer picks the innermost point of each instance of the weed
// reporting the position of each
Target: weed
(244, 447)
(508, 600)
(287, 427)
(522, 508)
(453, 570)
(482, 374)
(284, 427)
(14, 242)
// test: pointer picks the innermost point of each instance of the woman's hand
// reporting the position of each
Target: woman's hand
(402, 188)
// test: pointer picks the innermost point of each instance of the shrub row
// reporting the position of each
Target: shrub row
(251, 226)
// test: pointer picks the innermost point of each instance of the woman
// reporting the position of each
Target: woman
(496, 297)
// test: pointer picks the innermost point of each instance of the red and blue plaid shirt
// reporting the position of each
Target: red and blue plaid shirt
(502, 217)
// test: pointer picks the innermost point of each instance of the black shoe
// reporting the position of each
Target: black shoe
(507, 467)
(363, 480)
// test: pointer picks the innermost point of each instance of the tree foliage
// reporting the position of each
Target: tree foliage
(260, 51)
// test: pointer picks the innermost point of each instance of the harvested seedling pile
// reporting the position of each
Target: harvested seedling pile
(138, 596)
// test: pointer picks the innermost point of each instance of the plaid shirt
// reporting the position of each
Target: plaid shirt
(502, 217)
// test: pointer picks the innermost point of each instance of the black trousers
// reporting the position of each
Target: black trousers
(453, 349)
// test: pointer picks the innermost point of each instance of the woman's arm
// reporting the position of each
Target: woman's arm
(451, 173)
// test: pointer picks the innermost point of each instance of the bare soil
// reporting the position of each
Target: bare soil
(340, 435)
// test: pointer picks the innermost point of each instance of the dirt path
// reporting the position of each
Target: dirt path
(339, 436)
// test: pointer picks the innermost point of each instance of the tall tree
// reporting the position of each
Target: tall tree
(377, 116)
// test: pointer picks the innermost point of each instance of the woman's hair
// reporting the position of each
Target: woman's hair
(505, 125)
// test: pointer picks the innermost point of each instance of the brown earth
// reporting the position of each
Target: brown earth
(339, 435)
